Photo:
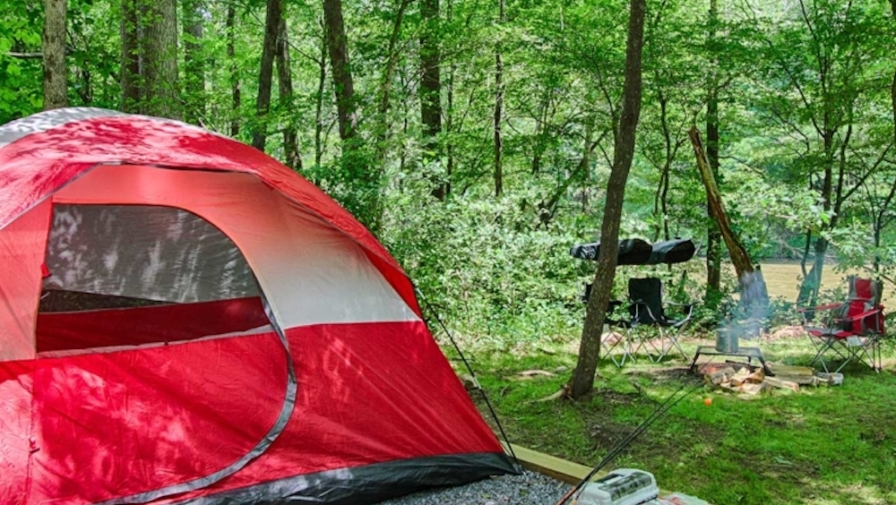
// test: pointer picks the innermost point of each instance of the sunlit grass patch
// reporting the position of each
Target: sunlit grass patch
(818, 446)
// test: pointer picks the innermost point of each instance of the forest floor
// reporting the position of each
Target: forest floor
(820, 446)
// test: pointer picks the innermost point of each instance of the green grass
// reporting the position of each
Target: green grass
(826, 445)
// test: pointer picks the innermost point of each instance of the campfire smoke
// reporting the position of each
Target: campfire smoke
(748, 319)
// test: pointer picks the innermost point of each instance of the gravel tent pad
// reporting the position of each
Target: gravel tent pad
(527, 488)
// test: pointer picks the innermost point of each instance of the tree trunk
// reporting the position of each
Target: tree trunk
(160, 92)
(661, 199)
(385, 89)
(751, 284)
(713, 236)
(355, 164)
(284, 87)
(339, 65)
(194, 62)
(319, 105)
(739, 256)
(809, 288)
(266, 72)
(55, 89)
(234, 70)
(589, 349)
(499, 105)
(431, 87)
(130, 57)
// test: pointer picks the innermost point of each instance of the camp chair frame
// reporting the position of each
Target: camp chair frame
(852, 331)
(645, 313)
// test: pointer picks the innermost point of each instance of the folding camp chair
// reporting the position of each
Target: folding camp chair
(647, 309)
(852, 331)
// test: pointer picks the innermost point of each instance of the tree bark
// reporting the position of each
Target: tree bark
(284, 87)
(266, 72)
(234, 70)
(431, 87)
(55, 89)
(194, 63)
(339, 65)
(589, 349)
(713, 236)
(319, 103)
(499, 106)
(160, 92)
(356, 166)
(739, 257)
(130, 57)
(385, 89)
(751, 284)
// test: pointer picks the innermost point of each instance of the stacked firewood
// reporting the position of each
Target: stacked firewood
(742, 378)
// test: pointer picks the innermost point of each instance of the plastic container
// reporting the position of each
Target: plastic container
(625, 486)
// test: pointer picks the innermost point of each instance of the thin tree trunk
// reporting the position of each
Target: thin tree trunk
(499, 105)
(339, 63)
(589, 349)
(160, 96)
(234, 70)
(284, 87)
(130, 57)
(539, 135)
(319, 105)
(55, 88)
(431, 87)
(661, 199)
(449, 112)
(355, 164)
(266, 72)
(713, 236)
(385, 89)
(809, 288)
(194, 62)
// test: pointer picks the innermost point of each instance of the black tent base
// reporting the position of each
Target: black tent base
(367, 484)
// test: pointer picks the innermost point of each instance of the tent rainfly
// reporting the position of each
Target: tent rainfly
(183, 320)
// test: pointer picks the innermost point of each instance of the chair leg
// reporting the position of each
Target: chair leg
(608, 352)
(673, 338)
(826, 344)
(659, 351)
(623, 341)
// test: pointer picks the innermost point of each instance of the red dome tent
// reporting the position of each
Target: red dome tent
(185, 320)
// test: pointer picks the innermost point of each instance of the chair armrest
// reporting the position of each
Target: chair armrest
(687, 317)
(638, 303)
(863, 315)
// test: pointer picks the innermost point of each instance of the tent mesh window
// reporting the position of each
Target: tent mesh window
(120, 275)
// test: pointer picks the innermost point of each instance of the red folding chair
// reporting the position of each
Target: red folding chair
(851, 331)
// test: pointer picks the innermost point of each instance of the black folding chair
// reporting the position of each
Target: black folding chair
(647, 309)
